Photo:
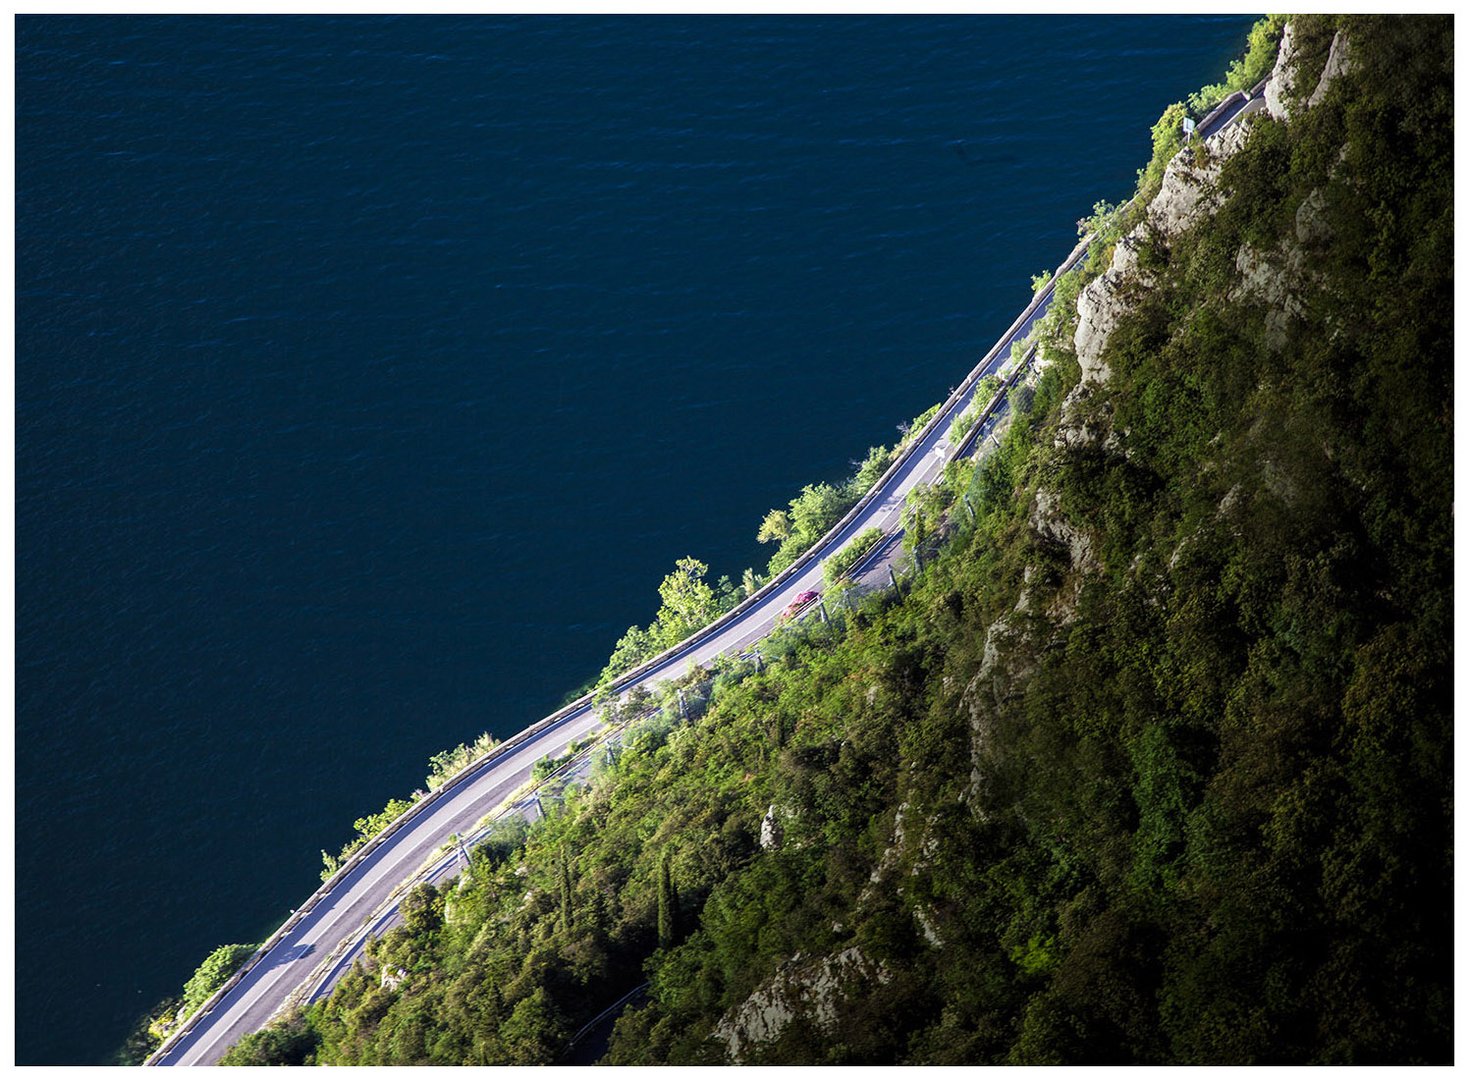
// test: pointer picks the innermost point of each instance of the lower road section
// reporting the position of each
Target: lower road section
(362, 894)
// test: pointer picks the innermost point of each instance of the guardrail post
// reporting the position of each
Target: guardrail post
(463, 855)
(628, 678)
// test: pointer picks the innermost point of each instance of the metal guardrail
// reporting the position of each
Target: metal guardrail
(879, 546)
(1219, 110)
(333, 961)
(630, 678)
(624, 681)
(1006, 384)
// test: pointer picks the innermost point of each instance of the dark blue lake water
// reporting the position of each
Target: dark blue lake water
(371, 373)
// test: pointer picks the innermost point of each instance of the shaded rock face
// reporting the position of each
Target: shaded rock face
(1189, 192)
(1280, 278)
(1285, 85)
(1101, 306)
(1272, 278)
(1312, 228)
(800, 993)
(981, 734)
(1051, 524)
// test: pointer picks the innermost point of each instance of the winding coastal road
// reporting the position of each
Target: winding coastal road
(304, 958)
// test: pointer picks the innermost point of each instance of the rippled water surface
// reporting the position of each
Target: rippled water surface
(371, 373)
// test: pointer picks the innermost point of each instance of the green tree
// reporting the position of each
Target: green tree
(632, 649)
(566, 915)
(775, 527)
(287, 1042)
(213, 973)
(815, 510)
(667, 900)
(532, 1034)
(1167, 141)
(688, 603)
(422, 909)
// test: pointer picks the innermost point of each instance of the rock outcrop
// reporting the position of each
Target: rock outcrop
(1190, 189)
(1338, 63)
(808, 992)
(1282, 82)
(1272, 279)
(771, 832)
(1188, 194)
(1101, 306)
(1283, 91)
(1051, 524)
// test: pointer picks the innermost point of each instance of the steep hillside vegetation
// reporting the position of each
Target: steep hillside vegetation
(1153, 761)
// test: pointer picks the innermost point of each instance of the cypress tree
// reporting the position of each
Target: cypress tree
(667, 900)
(565, 890)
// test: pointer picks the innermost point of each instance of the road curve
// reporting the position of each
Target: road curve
(363, 888)
(359, 893)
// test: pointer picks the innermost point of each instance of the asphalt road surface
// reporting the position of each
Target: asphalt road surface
(363, 898)
(361, 893)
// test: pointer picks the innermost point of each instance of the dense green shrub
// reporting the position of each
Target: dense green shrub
(837, 566)
(213, 973)
(1152, 763)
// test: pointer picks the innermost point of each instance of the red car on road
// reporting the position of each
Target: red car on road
(799, 602)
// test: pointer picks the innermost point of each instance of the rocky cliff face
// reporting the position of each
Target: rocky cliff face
(1287, 80)
(1282, 82)
(1190, 194)
(806, 991)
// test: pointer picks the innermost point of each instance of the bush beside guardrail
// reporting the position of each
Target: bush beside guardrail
(630, 678)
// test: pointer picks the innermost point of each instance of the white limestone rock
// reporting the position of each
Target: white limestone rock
(1276, 280)
(1188, 193)
(930, 932)
(1284, 85)
(1312, 228)
(1099, 308)
(1050, 523)
(1282, 82)
(1338, 63)
(1190, 189)
(809, 992)
(771, 832)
